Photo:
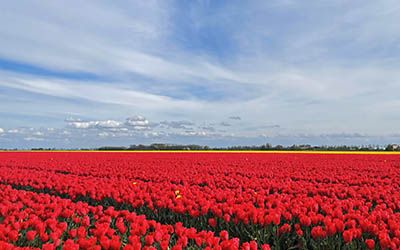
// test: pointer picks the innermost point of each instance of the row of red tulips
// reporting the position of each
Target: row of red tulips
(281, 234)
(43, 221)
(308, 197)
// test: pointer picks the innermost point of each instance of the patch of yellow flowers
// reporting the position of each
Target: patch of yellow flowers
(178, 194)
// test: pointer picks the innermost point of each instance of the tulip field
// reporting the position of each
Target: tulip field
(198, 200)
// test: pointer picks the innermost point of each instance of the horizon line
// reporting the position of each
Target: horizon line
(209, 151)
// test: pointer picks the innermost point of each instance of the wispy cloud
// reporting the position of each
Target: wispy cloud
(138, 122)
(225, 124)
(94, 124)
(176, 124)
(235, 118)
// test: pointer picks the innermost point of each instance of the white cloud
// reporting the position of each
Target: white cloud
(83, 125)
(54, 28)
(176, 124)
(224, 124)
(235, 118)
(137, 121)
(193, 133)
(116, 136)
(93, 92)
(95, 124)
(109, 124)
(143, 31)
(1, 130)
(33, 139)
(140, 127)
(104, 134)
(38, 133)
(208, 128)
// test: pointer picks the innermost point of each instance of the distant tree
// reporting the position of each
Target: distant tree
(392, 147)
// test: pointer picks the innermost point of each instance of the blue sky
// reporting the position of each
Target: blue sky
(207, 72)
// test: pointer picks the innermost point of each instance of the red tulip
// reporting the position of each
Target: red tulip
(30, 235)
(265, 247)
(212, 222)
(224, 235)
(13, 235)
(370, 243)
(347, 236)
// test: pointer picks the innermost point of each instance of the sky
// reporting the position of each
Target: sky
(219, 73)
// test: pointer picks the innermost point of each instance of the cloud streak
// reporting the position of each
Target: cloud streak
(94, 124)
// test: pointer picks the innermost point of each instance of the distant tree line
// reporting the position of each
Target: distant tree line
(159, 146)
(267, 146)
